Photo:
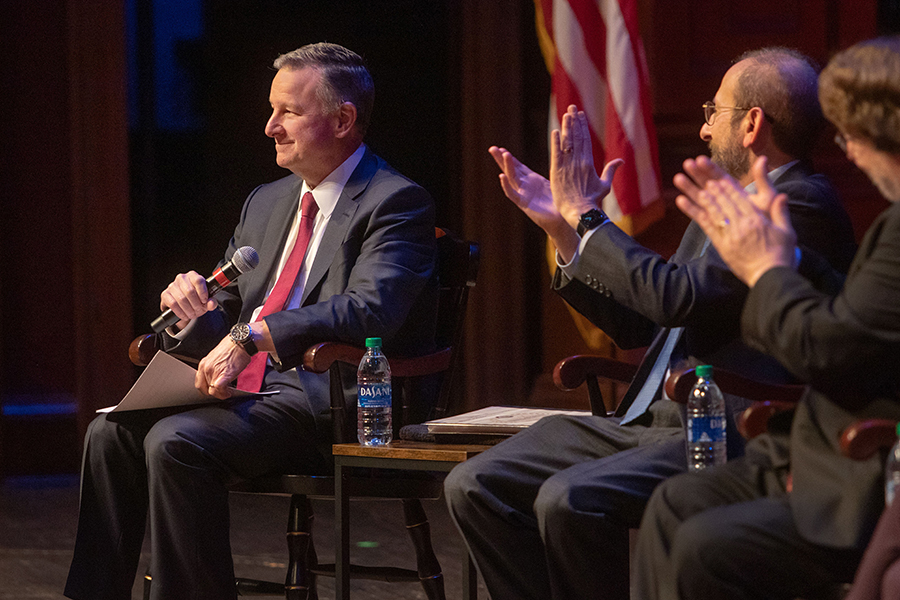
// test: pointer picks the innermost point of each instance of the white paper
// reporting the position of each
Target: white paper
(497, 419)
(168, 382)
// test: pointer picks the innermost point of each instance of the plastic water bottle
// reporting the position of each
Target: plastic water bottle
(892, 472)
(705, 422)
(374, 401)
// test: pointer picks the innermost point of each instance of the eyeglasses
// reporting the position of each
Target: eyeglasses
(710, 109)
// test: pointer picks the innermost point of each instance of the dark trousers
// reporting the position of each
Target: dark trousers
(728, 532)
(177, 468)
(546, 513)
(878, 577)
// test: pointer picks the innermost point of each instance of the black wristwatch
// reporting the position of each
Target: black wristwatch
(242, 335)
(591, 220)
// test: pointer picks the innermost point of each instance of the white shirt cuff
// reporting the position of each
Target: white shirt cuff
(180, 335)
(578, 252)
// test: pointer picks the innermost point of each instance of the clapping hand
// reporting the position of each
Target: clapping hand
(574, 182)
(528, 190)
(531, 193)
(752, 232)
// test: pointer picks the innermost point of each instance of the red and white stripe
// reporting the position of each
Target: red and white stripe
(597, 62)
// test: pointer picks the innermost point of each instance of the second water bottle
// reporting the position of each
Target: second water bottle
(705, 422)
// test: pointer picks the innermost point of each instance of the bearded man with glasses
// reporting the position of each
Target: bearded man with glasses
(545, 514)
(750, 529)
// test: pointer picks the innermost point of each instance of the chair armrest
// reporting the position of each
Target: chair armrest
(325, 357)
(771, 398)
(319, 358)
(572, 371)
(866, 438)
(680, 382)
(755, 420)
(143, 348)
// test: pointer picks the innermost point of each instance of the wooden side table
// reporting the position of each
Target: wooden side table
(403, 455)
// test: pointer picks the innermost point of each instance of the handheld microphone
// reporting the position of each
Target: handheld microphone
(243, 260)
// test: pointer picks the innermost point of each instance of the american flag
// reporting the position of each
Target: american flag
(594, 54)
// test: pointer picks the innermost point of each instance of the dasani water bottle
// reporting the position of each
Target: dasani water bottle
(705, 422)
(374, 401)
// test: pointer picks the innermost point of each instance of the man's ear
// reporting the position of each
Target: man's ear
(752, 126)
(346, 119)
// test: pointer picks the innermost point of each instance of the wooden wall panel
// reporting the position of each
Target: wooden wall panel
(66, 285)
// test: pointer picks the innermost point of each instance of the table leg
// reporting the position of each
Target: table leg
(341, 537)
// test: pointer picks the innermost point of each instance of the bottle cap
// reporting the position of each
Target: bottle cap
(704, 371)
(373, 342)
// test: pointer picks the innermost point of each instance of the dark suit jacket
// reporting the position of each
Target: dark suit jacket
(630, 292)
(847, 346)
(373, 275)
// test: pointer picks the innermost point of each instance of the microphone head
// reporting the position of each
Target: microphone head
(245, 259)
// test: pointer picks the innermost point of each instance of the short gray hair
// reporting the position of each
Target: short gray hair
(344, 76)
(784, 84)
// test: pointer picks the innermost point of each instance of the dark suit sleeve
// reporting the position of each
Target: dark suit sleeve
(846, 345)
(390, 252)
(628, 290)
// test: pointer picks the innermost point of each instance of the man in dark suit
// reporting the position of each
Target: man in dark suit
(347, 251)
(546, 513)
(747, 529)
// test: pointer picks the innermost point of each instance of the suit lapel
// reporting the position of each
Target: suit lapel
(338, 225)
(277, 230)
(691, 244)
(795, 173)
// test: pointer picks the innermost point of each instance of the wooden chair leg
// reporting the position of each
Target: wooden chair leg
(300, 582)
(312, 561)
(426, 562)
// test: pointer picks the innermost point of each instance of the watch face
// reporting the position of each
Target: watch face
(590, 220)
(240, 333)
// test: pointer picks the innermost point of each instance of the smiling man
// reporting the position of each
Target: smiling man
(346, 248)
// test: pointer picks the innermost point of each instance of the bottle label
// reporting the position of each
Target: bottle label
(706, 429)
(374, 395)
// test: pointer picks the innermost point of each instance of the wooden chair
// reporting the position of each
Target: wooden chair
(866, 438)
(457, 269)
(770, 398)
(860, 441)
(574, 371)
(588, 369)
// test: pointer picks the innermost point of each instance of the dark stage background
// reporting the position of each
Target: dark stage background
(132, 132)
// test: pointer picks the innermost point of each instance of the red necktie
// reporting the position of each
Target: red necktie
(251, 378)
